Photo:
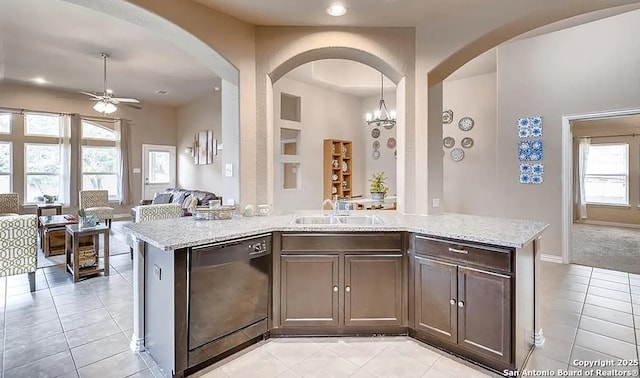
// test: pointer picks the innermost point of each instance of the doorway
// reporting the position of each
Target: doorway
(601, 211)
(158, 169)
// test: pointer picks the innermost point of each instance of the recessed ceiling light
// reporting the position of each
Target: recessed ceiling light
(337, 9)
(39, 80)
(162, 92)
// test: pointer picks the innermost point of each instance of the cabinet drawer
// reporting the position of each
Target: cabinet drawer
(484, 256)
(342, 242)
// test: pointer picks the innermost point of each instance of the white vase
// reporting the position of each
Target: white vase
(378, 196)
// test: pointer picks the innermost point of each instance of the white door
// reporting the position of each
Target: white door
(159, 169)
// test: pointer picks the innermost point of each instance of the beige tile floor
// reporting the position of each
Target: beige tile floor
(588, 315)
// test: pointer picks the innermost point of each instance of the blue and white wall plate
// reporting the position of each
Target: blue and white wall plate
(531, 150)
(530, 127)
(531, 173)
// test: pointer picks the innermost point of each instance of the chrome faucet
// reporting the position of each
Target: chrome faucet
(333, 203)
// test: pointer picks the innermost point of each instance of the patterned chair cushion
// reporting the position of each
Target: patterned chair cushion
(157, 212)
(95, 202)
(18, 244)
(102, 213)
(9, 203)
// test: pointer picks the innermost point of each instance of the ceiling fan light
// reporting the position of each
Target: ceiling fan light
(110, 108)
(99, 107)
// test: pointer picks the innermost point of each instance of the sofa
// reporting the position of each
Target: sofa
(187, 198)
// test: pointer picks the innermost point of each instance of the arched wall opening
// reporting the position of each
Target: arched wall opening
(346, 53)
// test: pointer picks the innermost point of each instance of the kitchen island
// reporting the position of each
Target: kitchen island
(395, 277)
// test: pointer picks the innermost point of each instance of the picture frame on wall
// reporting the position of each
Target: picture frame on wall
(205, 147)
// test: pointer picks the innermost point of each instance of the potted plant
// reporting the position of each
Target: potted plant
(86, 221)
(378, 186)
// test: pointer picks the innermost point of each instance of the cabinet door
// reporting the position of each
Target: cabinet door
(373, 290)
(435, 298)
(484, 313)
(309, 290)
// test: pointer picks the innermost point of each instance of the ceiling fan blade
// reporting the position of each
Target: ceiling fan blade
(125, 99)
(91, 94)
(137, 107)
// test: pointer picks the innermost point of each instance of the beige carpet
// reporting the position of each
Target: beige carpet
(606, 247)
(117, 246)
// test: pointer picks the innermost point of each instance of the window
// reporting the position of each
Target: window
(42, 170)
(41, 124)
(607, 174)
(5, 167)
(100, 169)
(5, 123)
(100, 159)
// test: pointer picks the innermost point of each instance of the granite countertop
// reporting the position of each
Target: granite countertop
(184, 232)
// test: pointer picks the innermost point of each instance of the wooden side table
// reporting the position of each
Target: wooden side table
(73, 250)
(43, 206)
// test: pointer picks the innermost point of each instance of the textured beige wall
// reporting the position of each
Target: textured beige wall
(154, 124)
(581, 70)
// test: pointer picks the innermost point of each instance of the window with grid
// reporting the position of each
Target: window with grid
(5, 123)
(42, 170)
(607, 174)
(5, 167)
(100, 159)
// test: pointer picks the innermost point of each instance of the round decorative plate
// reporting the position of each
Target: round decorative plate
(391, 143)
(466, 142)
(465, 123)
(375, 132)
(448, 142)
(457, 154)
(334, 177)
(376, 144)
(375, 154)
(344, 166)
(447, 116)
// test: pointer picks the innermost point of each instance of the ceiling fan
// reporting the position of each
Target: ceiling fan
(106, 103)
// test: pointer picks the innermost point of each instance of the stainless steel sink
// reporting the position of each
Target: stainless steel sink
(337, 219)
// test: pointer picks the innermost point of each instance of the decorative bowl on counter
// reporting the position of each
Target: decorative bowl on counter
(222, 212)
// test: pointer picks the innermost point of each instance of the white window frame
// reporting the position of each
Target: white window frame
(27, 174)
(10, 123)
(26, 126)
(10, 174)
(625, 175)
(93, 142)
(115, 197)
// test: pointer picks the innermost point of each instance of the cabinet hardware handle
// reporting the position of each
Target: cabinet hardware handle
(335, 288)
(461, 304)
(347, 289)
(458, 250)
(453, 302)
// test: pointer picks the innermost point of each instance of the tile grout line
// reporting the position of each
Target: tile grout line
(633, 322)
(584, 302)
(4, 324)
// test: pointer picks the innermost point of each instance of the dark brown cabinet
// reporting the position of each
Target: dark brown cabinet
(464, 307)
(373, 290)
(340, 282)
(309, 290)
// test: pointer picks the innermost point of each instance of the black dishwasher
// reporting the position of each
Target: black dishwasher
(228, 295)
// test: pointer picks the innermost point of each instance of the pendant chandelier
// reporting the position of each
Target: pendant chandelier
(382, 116)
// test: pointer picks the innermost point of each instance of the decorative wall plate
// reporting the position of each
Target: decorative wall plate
(448, 142)
(447, 116)
(334, 190)
(391, 143)
(375, 132)
(466, 123)
(376, 144)
(466, 142)
(457, 154)
(334, 177)
(375, 154)
(344, 150)
(344, 166)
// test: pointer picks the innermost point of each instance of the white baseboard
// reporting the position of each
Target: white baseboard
(612, 224)
(551, 258)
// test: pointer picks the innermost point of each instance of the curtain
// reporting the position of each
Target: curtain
(123, 143)
(76, 160)
(64, 189)
(583, 154)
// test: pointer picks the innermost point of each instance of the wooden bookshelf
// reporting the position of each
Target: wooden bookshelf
(338, 156)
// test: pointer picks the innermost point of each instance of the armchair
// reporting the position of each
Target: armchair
(147, 213)
(9, 204)
(95, 202)
(18, 246)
